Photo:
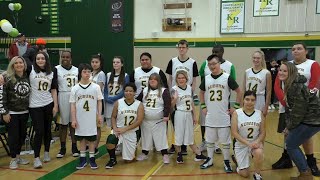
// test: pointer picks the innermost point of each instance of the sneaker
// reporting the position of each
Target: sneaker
(172, 150)
(312, 163)
(13, 164)
(208, 163)
(227, 167)
(269, 107)
(234, 160)
(46, 157)
(82, 164)
(257, 176)
(96, 151)
(203, 146)
(272, 106)
(200, 157)
(180, 159)
(111, 163)
(75, 152)
(283, 163)
(22, 161)
(93, 163)
(61, 153)
(166, 159)
(142, 157)
(37, 164)
(217, 150)
(184, 150)
(118, 149)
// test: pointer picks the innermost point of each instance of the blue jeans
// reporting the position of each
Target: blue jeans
(295, 138)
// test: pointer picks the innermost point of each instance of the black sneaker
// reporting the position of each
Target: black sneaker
(208, 163)
(184, 150)
(312, 163)
(75, 152)
(217, 151)
(93, 163)
(227, 167)
(200, 157)
(283, 163)
(111, 163)
(172, 150)
(180, 159)
(83, 163)
(61, 153)
(257, 176)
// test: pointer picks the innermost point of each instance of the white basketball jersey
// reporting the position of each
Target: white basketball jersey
(127, 114)
(98, 78)
(86, 98)
(256, 81)
(153, 105)
(186, 66)
(217, 100)
(249, 125)
(185, 100)
(141, 78)
(115, 88)
(225, 67)
(305, 69)
(40, 89)
(66, 78)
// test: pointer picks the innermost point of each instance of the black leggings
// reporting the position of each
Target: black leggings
(17, 132)
(41, 119)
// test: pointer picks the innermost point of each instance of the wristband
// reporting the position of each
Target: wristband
(203, 106)
(236, 105)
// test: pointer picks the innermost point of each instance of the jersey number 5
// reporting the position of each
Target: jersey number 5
(212, 94)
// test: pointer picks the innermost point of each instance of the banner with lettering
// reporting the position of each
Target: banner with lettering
(266, 8)
(232, 16)
(116, 15)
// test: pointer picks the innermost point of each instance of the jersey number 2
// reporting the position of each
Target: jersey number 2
(250, 131)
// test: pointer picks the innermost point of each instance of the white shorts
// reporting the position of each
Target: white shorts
(260, 102)
(183, 128)
(129, 145)
(242, 154)
(202, 118)
(218, 135)
(108, 122)
(154, 132)
(64, 108)
(108, 108)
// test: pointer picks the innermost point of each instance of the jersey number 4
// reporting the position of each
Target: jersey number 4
(212, 95)
(86, 106)
(253, 87)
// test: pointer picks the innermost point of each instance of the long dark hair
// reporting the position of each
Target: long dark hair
(47, 66)
(100, 58)
(122, 74)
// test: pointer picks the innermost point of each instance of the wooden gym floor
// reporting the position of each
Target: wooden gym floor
(152, 168)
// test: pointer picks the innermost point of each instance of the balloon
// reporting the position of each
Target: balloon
(14, 32)
(3, 21)
(6, 27)
(17, 6)
(11, 6)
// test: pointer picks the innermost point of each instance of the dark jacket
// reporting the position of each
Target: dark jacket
(15, 96)
(302, 106)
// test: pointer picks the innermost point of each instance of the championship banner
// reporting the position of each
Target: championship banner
(266, 8)
(116, 16)
(232, 16)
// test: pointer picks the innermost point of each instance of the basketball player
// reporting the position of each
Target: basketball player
(248, 127)
(214, 98)
(86, 105)
(127, 115)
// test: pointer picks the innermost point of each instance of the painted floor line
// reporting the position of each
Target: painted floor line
(28, 170)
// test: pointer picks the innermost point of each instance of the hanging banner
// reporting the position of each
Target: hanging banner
(266, 8)
(232, 16)
(318, 7)
(116, 15)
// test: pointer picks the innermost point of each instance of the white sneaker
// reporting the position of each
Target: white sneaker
(22, 161)
(46, 157)
(257, 176)
(13, 164)
(142, 157)
(269, 107)
(272, 106)
(202, 146)
(166, 159)
(37, 164)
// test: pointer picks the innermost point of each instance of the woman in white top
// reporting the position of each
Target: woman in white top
(43, 105)
(258, 79)
(99, 78)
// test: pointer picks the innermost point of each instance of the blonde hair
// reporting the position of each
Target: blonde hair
(157, 77)
(292, 75)
(263, 60)
(11, 73)
(184, 73)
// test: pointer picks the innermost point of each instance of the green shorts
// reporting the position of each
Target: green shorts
(88, 138)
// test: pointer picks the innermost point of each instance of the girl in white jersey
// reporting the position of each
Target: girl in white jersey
(248, 127)
(43, 105)
(184, 116)
(157, 104)
(99, 78)
(258, 79)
